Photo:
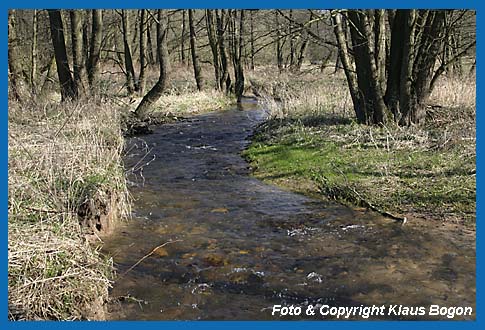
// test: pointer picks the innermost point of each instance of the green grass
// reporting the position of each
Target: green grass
(400, 170)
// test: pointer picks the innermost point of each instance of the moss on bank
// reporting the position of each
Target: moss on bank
(312, 145)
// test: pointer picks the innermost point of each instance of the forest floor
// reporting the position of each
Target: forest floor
(67, 189)
(312, 145)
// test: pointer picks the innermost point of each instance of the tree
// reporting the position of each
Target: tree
(77, 48)
(157, 90)
(193, 48)
(397, 88)
(95, 46)
(129, 69)
(237, 43)
(33, 63)
(67, 85)
(143, 43)
(225, 78)
(14, 66)
(211, 35)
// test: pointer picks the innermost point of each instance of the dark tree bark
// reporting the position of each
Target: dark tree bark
(279, 43)
(151, 57)
(77, 48)
(393, 89)
(224, 72)
(67, 86)
(157, 90)
(143, 43)
(14, 66)
(416, 40)
(95, 46)
(367, 75)
(237, 33)
(211, 35)
(301, 52)
(193, 48)
(129, 68)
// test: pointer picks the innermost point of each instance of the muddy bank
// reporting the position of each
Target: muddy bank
(243, 246)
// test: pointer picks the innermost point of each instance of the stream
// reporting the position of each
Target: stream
(237, 246)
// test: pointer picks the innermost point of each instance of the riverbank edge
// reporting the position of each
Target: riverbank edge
(265, 147)
(87, 223)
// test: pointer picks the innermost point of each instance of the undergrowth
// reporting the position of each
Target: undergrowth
(65, 182)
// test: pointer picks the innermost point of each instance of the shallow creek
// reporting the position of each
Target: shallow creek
(241, 246)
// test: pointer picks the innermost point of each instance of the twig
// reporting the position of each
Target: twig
(149, 254)
(363, 202)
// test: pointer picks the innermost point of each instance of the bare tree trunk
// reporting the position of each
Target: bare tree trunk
(77, 48)
(429, 47)
(367, 77)
(251, 36)
(33, 68)
(95, 46)
(348, 67)
(393, 89)
(211, 35)
(292, 42)
(301, 53)
(14, 66)
(380, 47)
(143, 42)
(407, 99)
(224, 72)
(279, 44)
(237, 34)
(49, 78)
(182, 43)
(193, 49)
(129, 69)
(157, 90)
(151, 57)
(86, 45)
(67, 85)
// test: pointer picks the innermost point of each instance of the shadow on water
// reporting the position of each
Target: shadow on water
(245, 245)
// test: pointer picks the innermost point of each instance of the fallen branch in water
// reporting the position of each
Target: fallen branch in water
(374, 208)
(351, 195)
(148, 255)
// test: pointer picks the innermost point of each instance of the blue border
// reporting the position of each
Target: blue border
(248, 4)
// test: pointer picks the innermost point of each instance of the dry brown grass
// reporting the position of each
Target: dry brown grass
(61, 159)
(306, 94)
(181, 97)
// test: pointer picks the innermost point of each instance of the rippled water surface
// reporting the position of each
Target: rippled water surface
(241, 246)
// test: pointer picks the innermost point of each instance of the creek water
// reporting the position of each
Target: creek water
(239, 246)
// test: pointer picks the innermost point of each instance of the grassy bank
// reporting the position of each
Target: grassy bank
(311, 144)
(66, 183)
(67, 188)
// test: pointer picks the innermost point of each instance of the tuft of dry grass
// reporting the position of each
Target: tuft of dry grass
(65, 168)
(306, 94)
